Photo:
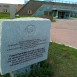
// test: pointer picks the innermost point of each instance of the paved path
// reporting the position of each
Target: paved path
(64, 31)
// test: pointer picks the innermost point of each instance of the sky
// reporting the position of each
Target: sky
(22, 1)
(12, 1)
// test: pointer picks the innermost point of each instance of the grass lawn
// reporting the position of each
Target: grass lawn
(63, 60)
(7, 16)
(53, 20)
(4, 15)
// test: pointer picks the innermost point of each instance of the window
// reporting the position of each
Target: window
(45, 12)
(30, 12)
(5, 10)
(5, 5)
(48, 13)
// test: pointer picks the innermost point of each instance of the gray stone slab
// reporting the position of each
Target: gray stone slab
(12, 11)
(23, 42)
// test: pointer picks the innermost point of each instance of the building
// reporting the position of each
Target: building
(43, 8)
(5, 8)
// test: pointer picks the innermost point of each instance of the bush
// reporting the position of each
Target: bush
(53, 20)
(45, 70)
(42, 69)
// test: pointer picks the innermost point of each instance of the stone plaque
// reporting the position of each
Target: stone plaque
(24, 41)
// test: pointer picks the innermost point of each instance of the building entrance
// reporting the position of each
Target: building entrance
(61, 15)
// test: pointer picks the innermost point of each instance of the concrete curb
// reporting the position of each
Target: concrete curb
(64, 44)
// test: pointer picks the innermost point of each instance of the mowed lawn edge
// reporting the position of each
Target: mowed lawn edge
(63, 60)
(7, 16)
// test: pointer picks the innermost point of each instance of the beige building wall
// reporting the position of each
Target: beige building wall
(18, 7)
(6, 7)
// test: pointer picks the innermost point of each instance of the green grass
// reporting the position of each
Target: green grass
(53, 20)
(4, 15)
(63, 60)
(7, 16)
(24, 16)
(42, 69)
(74, 16)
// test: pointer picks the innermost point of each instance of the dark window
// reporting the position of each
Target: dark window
(48, 13)
(29, 11)
(5, 10)
(45, 12)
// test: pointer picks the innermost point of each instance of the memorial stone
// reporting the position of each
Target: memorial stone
(23, 42)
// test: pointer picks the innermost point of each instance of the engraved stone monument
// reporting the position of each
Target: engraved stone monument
(23, 42)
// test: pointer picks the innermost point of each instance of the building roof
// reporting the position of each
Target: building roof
(35, 5)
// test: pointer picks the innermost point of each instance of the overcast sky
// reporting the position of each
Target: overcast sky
(22, 1)
(12, 1)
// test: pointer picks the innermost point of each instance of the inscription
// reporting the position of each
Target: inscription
(25, 56)
(30, 29)
(26, 44)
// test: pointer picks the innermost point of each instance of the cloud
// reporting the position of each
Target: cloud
(12, 1)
